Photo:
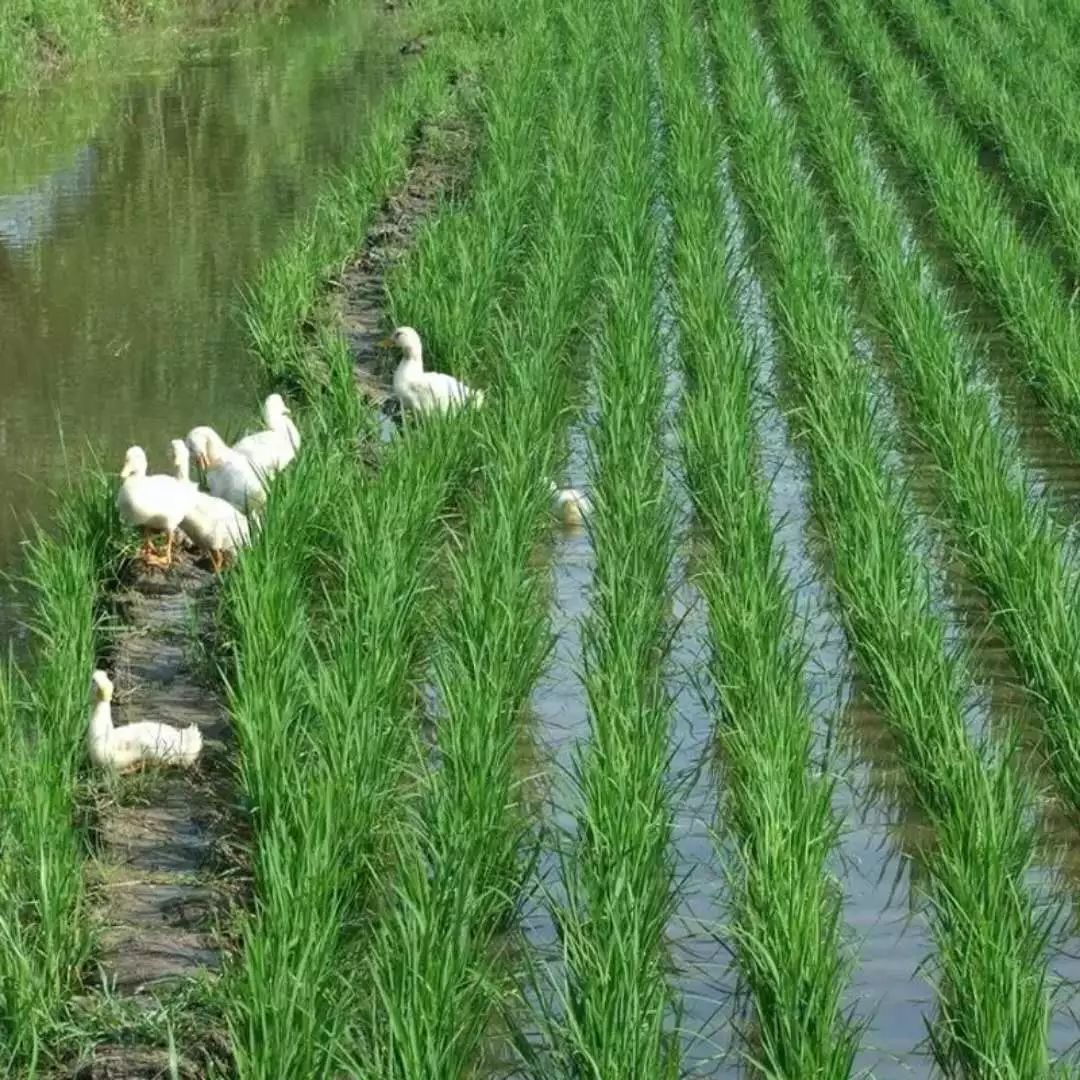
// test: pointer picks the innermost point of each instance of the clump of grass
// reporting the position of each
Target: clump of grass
(1021, 560)
(1036, 156)
(438, 973)
(327, 614)
(1017, 278)
(45, 934)
(990, 964)
(618, 1004)
(786, 905)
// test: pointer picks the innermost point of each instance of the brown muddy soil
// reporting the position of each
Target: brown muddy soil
(161, 882)
(438, 170)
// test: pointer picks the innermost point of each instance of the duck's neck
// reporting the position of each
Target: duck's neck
(183, 473)
(101, 725)
(409, 369)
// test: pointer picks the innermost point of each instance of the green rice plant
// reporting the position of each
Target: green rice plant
(1044, 30)
(618, 1006)
(327, 615)
(973, 220)
(1017, 554)
(1040, 67)
(786, 922)
(436, 965)
(1020, 558)
(45, 934)
(347, 732)
(989, 969)
(1035, 152)
(463, 262)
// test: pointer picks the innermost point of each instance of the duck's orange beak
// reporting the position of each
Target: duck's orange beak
(386, 343)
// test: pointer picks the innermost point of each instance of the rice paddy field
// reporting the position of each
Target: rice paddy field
(770, 769)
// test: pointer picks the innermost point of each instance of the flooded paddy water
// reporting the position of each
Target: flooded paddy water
(135, 205)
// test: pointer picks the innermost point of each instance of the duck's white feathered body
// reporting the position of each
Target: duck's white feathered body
(426, 391)
(570, 505)
(229, 475)
(212, 524)
(273, 449)
(156, 502)
(133, 744)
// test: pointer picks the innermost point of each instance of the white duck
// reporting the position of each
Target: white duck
(271, 450)
(153, 503)
(570, 505)
(133, 745)
(229, 475)
(213, 524)
(425, 391)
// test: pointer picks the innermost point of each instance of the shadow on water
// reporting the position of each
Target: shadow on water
(133, 209)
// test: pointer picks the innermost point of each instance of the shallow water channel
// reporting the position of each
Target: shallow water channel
(135, 204)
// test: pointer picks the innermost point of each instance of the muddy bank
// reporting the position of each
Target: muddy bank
(439, 165)
(163, 880)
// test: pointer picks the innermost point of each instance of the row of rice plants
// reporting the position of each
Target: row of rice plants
(45, 937)
(438, 972)
(973, 220)
(1043, 29)
(1034, 66)
(617, 879)
(786, 923)
(1021, 560)
(1033, 153)
(1015, 550)
(328, 616)
(989, 975)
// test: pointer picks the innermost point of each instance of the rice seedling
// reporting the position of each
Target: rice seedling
(327, 615)
(1020, 558)
(45, 934)
(616, 1001)
(462, 868)
(1017, 278)
(989, 966)
(1034, 152)
(786, 905)
(1016, 552)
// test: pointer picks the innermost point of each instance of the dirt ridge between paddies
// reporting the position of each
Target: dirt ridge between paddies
(160, 877)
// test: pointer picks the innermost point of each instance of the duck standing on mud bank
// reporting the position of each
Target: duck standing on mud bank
(425, 391)
(153, 503)
(212, 524)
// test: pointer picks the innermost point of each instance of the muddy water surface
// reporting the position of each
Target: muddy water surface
(134, 206)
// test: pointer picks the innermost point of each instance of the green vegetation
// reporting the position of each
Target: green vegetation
(990, 976)
(46, 937)
(1034, 149)
(618, 878)
(439, 974)
(1020, 559)
(786, 908)
(1014, 276)
(382, 641)
(39, 36)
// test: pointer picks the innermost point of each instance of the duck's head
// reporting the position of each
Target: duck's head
(274, 408)
(134, 463)
(407, 340)
(181, 458)
(207, 446)
(101, 687)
